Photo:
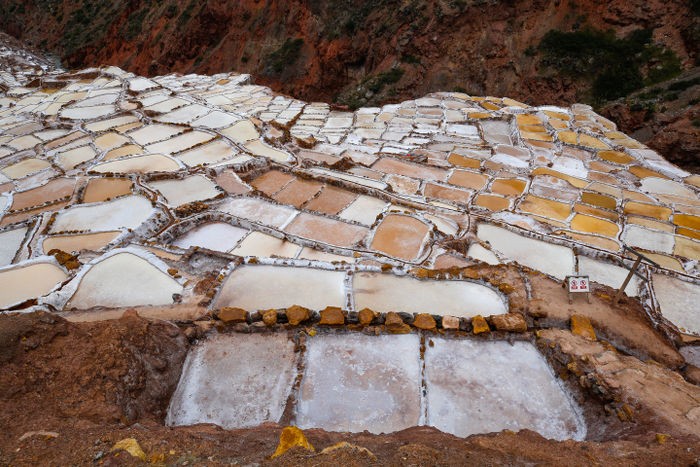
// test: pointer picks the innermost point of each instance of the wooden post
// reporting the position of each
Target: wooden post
(618, 295)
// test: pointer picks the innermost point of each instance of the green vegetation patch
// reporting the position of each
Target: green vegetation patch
(284, 57)
(615, 67)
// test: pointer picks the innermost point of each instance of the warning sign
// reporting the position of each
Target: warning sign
(579, 284)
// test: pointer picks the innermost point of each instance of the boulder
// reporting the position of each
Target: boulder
(450, 322)
(510, 322)
(269, 317)
(395, 325)
(332, 316)
(292, 437)
(479, 325)
(424, 321)
(232, 315)
(366, 316)
(297, 314)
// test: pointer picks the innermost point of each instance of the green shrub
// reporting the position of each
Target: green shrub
(285, 56)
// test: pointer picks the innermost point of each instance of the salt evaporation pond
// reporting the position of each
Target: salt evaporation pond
(217, 236)
(28, 281)
(235, 381)
(356, 382)
(481, 387)
(352, 382)
(555, 260)
(385, 292)
(264, 287)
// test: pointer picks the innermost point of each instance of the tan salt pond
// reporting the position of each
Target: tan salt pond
(128, 150)
(401, 237)
(22, 283)
(71, 243)
(385, 292)
(121, 280)
(102, 189)
(155, 132)
(262, 245)
(180, 143)
(87, 113)
(54, 190)
(326, 230)
(211, 153)
(69, 159)
(24, 168)
(264, 287)
(241, 132)
(139, 164)
(258, 148)
(193, 188)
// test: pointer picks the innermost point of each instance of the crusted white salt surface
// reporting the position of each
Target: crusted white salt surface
(679, 302)
(483, 387)
(126, 212)
(123, 279)
(364, 210)
(27, 281)
(216, 236)
(385, 292)
(477, 251)
(662, 186)
(257, 210)
(608, 274)
(265, 287)
(355, 382)
(139, 164)
(647, 239)
(555, 260)
(192, 188)
(10, 241)
(220, 385)
(262, 245)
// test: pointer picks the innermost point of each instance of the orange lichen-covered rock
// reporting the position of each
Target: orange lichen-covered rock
(395, 325)
(366, 316)
(232, 315)
(292, 437)
(479, 325)
(424, 321)
(511, 322)
(332, 316)
(581, 326)
(297, 314)
(269, 317)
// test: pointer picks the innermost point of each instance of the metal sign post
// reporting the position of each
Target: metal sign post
(633, 271)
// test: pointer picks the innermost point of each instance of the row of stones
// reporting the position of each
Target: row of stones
(391, 322)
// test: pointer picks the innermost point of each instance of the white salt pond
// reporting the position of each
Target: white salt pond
(264, 287)
(22, 282)
(192, 188)
(121, 280)
(555, 260)
(608, 274)
(217, 236)
(356, 382)
(481, 387)
(10, 241)
(139, 164)
(386, 292)
(266, 246)
(127, 212)
(679, 302)
(257, 210)
(235, 381)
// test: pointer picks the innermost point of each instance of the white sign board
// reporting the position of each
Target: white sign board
(578, 284)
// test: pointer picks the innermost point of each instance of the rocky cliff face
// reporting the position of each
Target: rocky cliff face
(345, 50)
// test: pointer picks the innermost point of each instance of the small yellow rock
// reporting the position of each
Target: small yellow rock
(581, 326)
(292, 437)
(479, 325)
(661, 438)
(349, 446)
(131, 446)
